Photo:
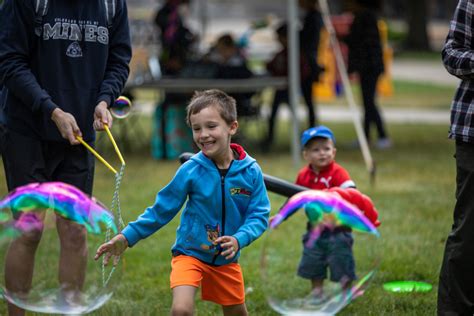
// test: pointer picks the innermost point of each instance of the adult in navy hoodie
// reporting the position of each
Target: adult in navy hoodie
(58, 84)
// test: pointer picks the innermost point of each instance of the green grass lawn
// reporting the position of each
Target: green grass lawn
(413, 192)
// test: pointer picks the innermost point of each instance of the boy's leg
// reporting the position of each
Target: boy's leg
(183, 300)
(237, 310)
(224, 285)
(313, 263)
(185, 279)
(341, 260)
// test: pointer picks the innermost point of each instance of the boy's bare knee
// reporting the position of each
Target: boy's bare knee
(182, 310)
(235, 310)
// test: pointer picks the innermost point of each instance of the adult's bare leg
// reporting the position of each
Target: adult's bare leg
(19, 266)
(72, 258)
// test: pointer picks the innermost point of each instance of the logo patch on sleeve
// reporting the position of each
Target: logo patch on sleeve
(240, 191)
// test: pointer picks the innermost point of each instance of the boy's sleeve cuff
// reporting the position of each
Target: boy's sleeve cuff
(242, 239)
(131, 235)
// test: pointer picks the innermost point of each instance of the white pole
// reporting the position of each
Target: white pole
(369, 162)
(294, 78)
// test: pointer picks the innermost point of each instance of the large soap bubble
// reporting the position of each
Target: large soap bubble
(32, 216)
(317, 261)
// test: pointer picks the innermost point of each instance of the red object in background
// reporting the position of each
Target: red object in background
(342, 26)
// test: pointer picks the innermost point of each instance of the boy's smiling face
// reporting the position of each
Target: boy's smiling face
(319, 153)
(211, 133)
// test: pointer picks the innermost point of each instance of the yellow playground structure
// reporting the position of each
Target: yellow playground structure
(326, 89)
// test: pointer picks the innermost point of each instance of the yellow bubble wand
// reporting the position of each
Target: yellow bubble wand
(120, 110)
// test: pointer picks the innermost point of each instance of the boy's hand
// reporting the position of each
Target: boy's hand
(115, 247)
(229, 245)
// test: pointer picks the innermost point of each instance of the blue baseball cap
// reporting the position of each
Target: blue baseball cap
(318, 131)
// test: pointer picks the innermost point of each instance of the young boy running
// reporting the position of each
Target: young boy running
(227, 209)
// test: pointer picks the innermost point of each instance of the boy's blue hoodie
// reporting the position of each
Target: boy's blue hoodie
(77, 62)
(234, 205)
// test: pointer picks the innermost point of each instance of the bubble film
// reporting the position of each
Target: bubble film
(32, 218)
(319, 254)
(121, 107)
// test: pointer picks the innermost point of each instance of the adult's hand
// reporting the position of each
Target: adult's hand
(102, 116)
(67, 125)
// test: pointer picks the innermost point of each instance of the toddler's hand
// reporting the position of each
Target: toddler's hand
(270, 220)
(229, 245)
(115, 247)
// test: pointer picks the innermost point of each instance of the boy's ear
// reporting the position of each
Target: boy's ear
(233, 127)
(305, 154)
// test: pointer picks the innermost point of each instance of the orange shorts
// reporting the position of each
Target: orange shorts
(223, 285)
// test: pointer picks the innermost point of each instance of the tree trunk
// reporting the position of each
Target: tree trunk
(417, 18)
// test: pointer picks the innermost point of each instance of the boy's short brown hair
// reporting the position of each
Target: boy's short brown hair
(224, 103)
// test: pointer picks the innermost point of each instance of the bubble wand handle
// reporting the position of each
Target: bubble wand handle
(96, 154)
(112, 140)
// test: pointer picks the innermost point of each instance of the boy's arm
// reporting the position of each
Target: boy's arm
(168, 203)
(342, 179)
(361, 201)
(458, 55)
(120, 52)
(256, 220)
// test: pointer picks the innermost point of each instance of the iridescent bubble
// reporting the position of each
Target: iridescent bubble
(30, 218)
(121, 107)
(316, 261)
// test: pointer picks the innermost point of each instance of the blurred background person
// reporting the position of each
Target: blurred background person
(366, 59)
(231, 63)
(176, 38)
(309, 69)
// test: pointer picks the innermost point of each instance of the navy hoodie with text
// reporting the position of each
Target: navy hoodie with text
(78, 61)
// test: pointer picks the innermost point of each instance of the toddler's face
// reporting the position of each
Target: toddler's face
(320, 152)
(211, 133)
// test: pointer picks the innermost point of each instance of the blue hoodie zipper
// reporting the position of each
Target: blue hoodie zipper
(223, 208)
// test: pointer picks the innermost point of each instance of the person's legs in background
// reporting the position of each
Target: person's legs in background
(307, 90)
(456, 279)
(368, 84)
(280, 97)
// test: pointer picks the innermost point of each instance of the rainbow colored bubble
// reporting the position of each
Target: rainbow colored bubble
(36, 214)
(325, 208)
(66, 200)
(318, 237)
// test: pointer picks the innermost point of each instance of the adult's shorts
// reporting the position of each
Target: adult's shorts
(27, 160)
